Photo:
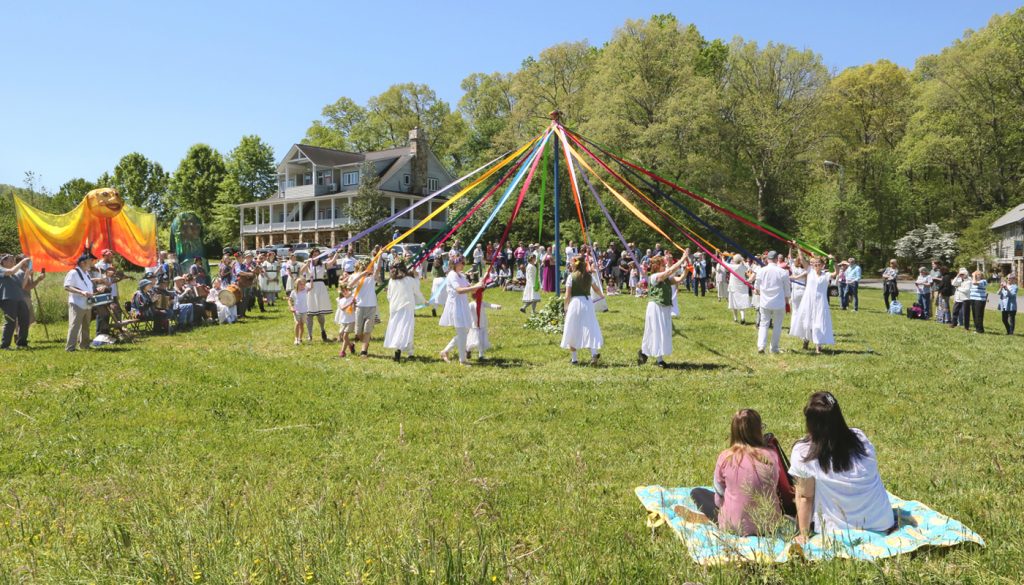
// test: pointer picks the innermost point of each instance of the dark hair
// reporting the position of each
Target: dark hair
(832, 443)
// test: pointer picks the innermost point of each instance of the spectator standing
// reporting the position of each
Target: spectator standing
(1008, 302)
(80, 289)
(890, 283)
(853, 274)
(962, 299)
(924, 291)
(979, 298)
(12, 295)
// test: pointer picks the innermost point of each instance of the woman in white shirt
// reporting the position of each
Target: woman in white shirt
(838, 485)
(403, 296)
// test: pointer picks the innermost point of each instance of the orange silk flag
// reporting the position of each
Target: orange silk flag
(100, 221)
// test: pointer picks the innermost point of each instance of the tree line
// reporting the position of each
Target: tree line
(851, 160)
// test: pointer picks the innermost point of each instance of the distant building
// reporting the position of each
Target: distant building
(1008, 249)
(316, 186)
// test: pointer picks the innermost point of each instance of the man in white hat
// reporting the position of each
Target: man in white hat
(772, 288)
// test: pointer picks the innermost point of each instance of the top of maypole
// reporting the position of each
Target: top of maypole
(556, 116)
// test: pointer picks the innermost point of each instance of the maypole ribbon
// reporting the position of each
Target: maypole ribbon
(689, 233)
(643, 217)
(398, 214)
(734, 214)
(543, 190)
(459, 218)
(504, 198)
(572, 181)
(615, 227)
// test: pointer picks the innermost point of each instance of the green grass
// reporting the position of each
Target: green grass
(227, 455)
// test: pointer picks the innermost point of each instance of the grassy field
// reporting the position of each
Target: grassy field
(228, 455)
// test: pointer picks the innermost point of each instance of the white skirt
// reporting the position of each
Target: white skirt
(657, 330)
(739, 301)
(478, 339)
(319, 300)
(438, 292)
(722, 287)
(401, 327)
(675, 301)
(581, 328)
(530, 295)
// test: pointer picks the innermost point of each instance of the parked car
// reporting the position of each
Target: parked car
(283, 251)
(400, 250)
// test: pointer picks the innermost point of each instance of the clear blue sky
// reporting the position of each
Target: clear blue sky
(84, 85)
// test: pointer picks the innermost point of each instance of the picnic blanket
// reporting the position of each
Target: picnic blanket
(919, 526)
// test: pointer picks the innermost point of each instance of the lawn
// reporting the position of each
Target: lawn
(228, 455)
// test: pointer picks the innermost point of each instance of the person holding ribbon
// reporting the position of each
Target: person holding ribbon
(456, 308)
(403, 296)
(581, 329)
(657, 341)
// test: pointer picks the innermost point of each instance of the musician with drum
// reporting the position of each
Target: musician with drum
(80, 290)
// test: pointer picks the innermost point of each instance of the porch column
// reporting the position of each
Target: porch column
(241, 226)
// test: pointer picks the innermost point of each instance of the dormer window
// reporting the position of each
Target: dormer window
(432, 184)
(350, 178)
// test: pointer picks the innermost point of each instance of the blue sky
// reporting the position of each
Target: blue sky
(84, 85)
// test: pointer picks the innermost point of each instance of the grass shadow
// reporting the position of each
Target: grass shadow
(688, 366)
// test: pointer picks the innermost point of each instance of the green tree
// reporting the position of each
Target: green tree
(70, 194)
(142, 183)
(341, 127)
(555, 80)
(485, 107)
(250, 176)
(369, 205)
(195, 184)
(772, 99)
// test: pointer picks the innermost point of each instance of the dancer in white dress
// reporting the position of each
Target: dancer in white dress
(315, 273)
(345, 319)
(812, 320)
(403, 296)
(739, 292)
(531, 291)
(456, 308)
(270, 278)
(581, 330)
(657, 341)
(478, 338)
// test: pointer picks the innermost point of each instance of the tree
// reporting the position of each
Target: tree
(250, 176)
(71, 193)
(224, 227)
(772, 101)
(485, 107)
(921, 245)
(342, 127)
(369, 206)
(197, 181)
(142, 183)
(556, 79)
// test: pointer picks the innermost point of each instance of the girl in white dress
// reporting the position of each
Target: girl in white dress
(531, 291)
(315, 273)
(739, 293)
(456, 308)
(581, 330)
(657, 341)
(270, 278)
(478, 338)
(812, 320)
(403, 296)
(345, 319)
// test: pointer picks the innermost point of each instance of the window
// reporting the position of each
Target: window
(432, 184)
(351, 178)
(325, 177)
(307, 179)
(406, 179)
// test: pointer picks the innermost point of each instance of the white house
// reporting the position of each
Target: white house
(316, 186)
(1008, 249)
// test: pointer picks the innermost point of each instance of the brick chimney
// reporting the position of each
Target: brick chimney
(420, 154)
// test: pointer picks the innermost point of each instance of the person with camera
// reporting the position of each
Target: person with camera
(80, 289)
(12, 299)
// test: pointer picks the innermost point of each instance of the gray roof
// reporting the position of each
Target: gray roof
(1013, 216)
(328, 157)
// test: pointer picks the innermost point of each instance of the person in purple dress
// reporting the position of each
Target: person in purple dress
(547, 272)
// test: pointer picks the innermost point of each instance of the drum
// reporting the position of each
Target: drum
(246, 279)
(226, 297)
(101, 299)
(202, 291)
(234, 288)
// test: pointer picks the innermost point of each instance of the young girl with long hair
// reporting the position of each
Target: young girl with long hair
(581, 330)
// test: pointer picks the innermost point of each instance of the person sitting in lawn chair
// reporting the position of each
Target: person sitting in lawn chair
(144, 307)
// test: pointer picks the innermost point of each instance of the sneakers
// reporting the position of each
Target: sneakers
(398, 355)
(661, 364)
(574, 362)
(594, 358)
(433, 311)
(522, 309)
(298, 341)
(641, 357)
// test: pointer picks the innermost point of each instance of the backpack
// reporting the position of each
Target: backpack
(915, 312)
(785, 489)
(895, 308)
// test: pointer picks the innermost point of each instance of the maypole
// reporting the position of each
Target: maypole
(555, 115)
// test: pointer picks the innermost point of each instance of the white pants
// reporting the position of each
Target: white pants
(774, 318)
(459, 341)
(78, 327)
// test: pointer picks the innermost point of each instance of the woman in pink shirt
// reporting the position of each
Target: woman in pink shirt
(745, 500)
